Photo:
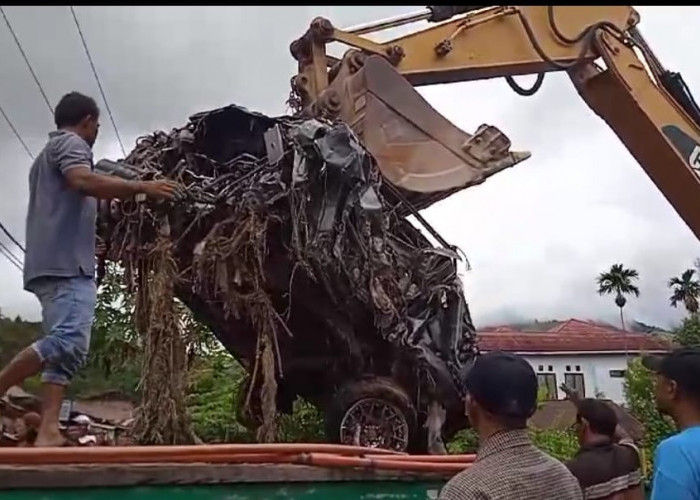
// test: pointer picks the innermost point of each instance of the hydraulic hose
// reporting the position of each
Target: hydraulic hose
(318, 455)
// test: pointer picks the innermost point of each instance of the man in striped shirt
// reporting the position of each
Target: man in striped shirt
(502, 395)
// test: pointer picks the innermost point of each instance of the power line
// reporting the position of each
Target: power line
(3, 249)
(6, 251)
(14, 260)
(14, 130)
(26, 59)
(10, 256)
(12, 238)
(97, 79)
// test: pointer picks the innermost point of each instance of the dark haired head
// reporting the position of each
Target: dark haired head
(601, 418)
(502, 389)
(678, 380)
(73, 108)
(677, 383)
(79, 113)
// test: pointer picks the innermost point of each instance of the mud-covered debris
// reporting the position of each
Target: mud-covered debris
(283, 243)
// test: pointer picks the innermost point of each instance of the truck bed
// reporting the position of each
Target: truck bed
(72, 477)
(222, 472)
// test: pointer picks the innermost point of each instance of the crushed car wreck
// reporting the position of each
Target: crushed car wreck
(285, 245)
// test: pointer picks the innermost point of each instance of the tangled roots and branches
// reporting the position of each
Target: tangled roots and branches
(282, 242)
(162, 417)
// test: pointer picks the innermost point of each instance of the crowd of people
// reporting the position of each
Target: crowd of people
(502, 396)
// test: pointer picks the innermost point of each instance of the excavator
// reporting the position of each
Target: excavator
(424, 157)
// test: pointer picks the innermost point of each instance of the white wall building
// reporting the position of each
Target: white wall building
(587, 356)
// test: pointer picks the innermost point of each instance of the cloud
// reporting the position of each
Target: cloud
(536, 235)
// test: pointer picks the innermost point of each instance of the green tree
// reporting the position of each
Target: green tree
(688, 334)
(199, 341)
(561, 444)
(618, 281)
(465, 441)
(639, 394)
(303, 425)
(214, 388)
(685, 290)
(214, 378)
(114, 344)
(15, 335)
(115, 348)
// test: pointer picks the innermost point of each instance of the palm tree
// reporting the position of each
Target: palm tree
(686, 289)
(618, 282)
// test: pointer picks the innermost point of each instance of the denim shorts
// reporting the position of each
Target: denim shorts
(67, 312)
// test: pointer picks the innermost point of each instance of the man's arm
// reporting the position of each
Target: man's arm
(73, 158)
(573, 396)
(108, 187)
(81, 178)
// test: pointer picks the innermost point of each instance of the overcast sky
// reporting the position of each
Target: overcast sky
(536, 235)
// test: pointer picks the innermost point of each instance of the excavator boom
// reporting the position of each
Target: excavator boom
(425, 157)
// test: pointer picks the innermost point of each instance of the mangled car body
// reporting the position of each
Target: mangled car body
(288, 237)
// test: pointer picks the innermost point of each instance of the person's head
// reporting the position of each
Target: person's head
(80, 114)
(27, 426)
(501, 392)
(595, 419)
(677, 384)
(32, 419)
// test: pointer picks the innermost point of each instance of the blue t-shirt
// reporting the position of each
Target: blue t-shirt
(677, 467)
(60, 228)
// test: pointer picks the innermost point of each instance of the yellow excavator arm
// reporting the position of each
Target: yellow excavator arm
(425, 157)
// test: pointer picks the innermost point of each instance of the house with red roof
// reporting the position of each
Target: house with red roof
(587, 356)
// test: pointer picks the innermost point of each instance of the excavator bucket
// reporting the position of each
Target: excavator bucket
(417, 149)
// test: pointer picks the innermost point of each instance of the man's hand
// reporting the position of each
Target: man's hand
(571, 394)
(160, 190)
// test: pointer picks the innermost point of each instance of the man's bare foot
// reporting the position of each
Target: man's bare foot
(49, 434)
(49, 440)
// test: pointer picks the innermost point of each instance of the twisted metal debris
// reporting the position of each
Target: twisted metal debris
(283, 243)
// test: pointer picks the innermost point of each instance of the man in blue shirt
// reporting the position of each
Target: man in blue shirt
(59, 266)
(677, 394)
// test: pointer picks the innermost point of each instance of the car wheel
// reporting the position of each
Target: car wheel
(375, 413)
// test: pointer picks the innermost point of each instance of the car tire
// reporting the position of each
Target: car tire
(356, 399)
